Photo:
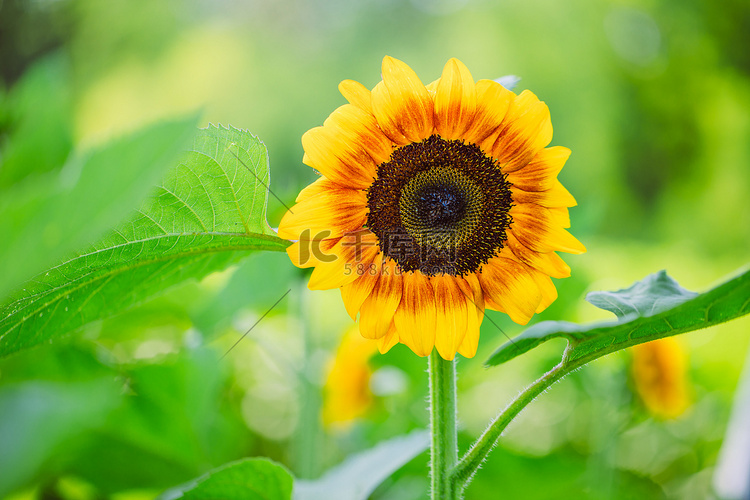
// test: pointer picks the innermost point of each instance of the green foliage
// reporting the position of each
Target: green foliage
(36, 122)
(161, 420)
(272, 269)
(168, 428)
(45, 217)
(360, 474)
(39, 417)
(650, 309)
(208, 214)
(566, 469)
(248, 479)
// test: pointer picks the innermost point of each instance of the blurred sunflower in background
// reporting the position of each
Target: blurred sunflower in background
(434, 203)
(660, 377)
(346, 393)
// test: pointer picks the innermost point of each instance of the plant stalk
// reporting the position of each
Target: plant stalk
(472, 460)
(444, 445)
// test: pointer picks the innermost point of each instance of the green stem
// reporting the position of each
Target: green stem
(469, 464)
(444, 447)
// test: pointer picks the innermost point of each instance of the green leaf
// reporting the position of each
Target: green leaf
(40, 417)
(174, 421)
(208, 214)
(654, 294)
(272, 269)
(650, 309)
(36, 121)
(358, 476)
(248, 479)
(47, 216)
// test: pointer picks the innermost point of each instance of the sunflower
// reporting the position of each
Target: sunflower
(660, 377)
(434, 203)
(346, 393)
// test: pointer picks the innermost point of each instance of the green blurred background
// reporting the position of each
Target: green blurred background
(653, 98)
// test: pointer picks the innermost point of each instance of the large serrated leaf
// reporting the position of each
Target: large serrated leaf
(46, 216)
(651, 309)
(248, 479)
(360, 474)
(209, 213)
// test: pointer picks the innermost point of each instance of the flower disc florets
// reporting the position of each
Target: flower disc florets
(440, 206)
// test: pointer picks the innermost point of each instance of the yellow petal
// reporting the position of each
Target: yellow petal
(470, 286)
(355, 293)
(555, 196)
(355, 253)
(401, 104)
(378, 309)
(455, 100)
(316, 187)
(330, 213)
(493, 101)
(360, 132)
(546, 289)
(387, 341)
(357, 94)
(541, 172)
(549, 263)
(308, 253)
(342, 156)
(560, 216)
(511, 288)
(537, 229)
(525, 131)
(452, 315)
(415, 317)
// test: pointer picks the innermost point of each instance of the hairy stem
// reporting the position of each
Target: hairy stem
(470, 463)
(444, 447)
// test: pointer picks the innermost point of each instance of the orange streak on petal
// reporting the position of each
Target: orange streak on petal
(355, 293)
(335, 156)
(452, 315)
(379, 308)
(510, 286)
(332, 211)
(471, 288)
(455, 100)
(355, 253)
(538, 229)
(549, 263)
(415, 317)
(541, 172)
(493, 101)
(525, 131)
(360, 133)
(402, 104)
(554, 197)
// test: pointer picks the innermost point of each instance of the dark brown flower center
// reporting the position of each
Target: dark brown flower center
(440, 206)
